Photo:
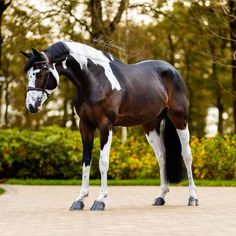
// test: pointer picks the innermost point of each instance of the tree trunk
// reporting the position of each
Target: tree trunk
(3, 7)
(189, 88)
(172, 50)
(65, 113)
(73, 116)
(7, 103)
(215, 78)
(232, 26)
(100, 28)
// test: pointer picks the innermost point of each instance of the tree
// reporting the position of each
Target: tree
(22, 30)
(3, 6)
(232, 27)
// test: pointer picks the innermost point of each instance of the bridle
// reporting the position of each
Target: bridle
(46, 67)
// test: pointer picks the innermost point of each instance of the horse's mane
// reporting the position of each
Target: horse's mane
(59, 51)
(56, 52)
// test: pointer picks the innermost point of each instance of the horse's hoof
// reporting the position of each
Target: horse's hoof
(193, 201)
(98, 206)
(159, 202)
(77, 206)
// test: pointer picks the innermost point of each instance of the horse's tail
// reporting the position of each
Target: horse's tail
(174, 161)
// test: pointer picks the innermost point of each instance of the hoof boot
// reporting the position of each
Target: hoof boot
(193, 201)
(77, 205)
(98, 206)
(159, 201)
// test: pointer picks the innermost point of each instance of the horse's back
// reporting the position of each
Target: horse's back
(148, 88)
(144, 95)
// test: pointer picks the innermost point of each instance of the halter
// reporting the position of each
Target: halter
(43, 90)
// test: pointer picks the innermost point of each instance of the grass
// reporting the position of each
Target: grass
(128, 182)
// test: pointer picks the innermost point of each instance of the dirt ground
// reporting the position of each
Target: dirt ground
(43, 210)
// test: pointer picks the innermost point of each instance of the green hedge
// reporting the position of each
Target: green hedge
(55, 153)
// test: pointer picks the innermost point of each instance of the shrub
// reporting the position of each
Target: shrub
(54, 152)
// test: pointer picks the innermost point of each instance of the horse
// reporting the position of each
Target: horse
(110, 93)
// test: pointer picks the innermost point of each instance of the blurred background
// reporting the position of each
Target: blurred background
(197, 36)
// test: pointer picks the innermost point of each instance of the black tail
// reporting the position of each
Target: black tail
(174, 160)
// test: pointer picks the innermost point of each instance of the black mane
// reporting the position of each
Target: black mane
(56, 52)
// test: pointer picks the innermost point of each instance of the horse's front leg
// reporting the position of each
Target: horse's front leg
(87, 134)
(105, 145)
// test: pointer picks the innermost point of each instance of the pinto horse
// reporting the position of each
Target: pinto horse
(111, 93)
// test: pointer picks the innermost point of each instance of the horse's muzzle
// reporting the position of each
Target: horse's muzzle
(33, 109)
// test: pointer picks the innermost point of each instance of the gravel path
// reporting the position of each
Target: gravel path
(43, 210)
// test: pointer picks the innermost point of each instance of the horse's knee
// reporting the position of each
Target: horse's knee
(187, 155)
(103, 164)
(154, 140)
(184, 138)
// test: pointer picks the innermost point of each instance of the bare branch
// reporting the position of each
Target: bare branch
(123, 6)
(81, 22)
(4, 6)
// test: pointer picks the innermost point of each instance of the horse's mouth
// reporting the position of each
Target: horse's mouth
(33, 109)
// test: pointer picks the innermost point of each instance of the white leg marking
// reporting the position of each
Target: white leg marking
(184, 138)
(156, 142)
(103, 166)
(84, 191)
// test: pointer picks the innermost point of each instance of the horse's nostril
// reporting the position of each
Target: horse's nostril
(33, 109)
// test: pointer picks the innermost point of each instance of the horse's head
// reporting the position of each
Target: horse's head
(43, 79)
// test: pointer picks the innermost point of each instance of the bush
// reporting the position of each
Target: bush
(56, 153)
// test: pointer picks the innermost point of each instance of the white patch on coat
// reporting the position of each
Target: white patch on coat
(158, 147)
(103, 166)
(84, 191)
(82, 53)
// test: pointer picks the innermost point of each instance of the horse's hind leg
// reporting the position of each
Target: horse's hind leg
(153, 136)
(178, 114)
(184, 138)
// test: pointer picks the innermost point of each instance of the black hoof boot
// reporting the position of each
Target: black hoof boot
(98, 206)
(193, 201)
(77, 206)
(159, 202)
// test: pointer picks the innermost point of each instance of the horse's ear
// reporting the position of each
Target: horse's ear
(26, 54)
(36, 53)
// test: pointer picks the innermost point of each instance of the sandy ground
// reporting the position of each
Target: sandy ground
(43, 210)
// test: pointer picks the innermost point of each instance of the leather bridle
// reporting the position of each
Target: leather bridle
(43, 90)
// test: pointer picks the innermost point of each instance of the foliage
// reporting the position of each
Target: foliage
(54, 152)
(192, 35)
(215, 158)
(117, 182)
(2, 190)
